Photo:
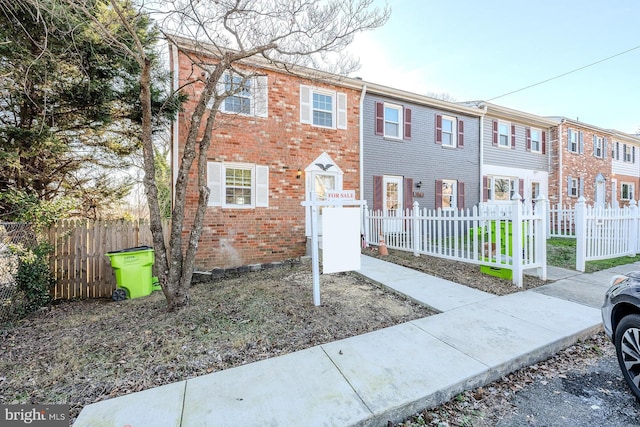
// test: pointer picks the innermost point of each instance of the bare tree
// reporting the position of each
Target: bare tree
(284, 33)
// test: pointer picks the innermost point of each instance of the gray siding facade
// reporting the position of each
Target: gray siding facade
(421, 158)
(517, 157)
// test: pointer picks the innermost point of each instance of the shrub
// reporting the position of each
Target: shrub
(33, 279)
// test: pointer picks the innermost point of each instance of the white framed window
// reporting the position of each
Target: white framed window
(502, 188)
(247, 96)
(536, 140)
(238, 185)
(323, 108)
(535, 190)
(627, 191)
(598, 146)
(449, 193)
(628, 153)
(573, 187)
(392, 121)
(574, 141)
(449, 132)
(503, 134)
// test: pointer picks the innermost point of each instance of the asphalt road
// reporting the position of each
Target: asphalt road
(595, 397)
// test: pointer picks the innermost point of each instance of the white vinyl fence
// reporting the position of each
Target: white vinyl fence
(482, 235)
(603, 233)
(561, 222)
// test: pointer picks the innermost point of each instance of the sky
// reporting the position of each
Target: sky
(479, 50)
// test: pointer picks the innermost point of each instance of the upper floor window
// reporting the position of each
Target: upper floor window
(323, 107)
(240, 102)
(615, 150)
(392, 117)
(575, 141)
(448, 131)
(243, 95)
(536, 140)
(503, 134)
(628, 154)
(598, 146)
(238, 185)
(392, 121)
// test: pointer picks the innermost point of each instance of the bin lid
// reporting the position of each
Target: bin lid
(136, 249)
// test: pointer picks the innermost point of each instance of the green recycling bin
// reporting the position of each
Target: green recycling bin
(132, 268)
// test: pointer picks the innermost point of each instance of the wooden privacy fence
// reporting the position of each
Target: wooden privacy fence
(78, 259)
(511, 237)
(603, 233)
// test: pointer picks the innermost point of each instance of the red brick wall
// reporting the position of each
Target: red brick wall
(236, 237)
(626, 179)
(576, 165)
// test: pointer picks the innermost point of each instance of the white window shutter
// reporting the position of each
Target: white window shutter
(261, 96)
(214, 182)
(305, 104)
(262, 186)
(342, 110)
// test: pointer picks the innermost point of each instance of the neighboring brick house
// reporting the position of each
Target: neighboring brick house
(515, 154)
(580, 163)
(417, 148)
(625, 168)
(276, 141)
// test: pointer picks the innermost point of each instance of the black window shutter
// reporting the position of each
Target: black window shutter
(494, 141)
(513, 137)
(460, 133)
(438, 129)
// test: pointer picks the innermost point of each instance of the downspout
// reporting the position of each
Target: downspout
(560, 175)
(360, 147)
(481, 181)
(361, 140)
(174, 124)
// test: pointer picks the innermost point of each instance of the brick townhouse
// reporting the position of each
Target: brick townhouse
(580, 163)
(282, 137)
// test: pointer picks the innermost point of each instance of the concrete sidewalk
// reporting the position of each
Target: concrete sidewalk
(384, 375)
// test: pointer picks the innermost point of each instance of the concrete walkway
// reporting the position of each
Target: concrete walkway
(384, 375)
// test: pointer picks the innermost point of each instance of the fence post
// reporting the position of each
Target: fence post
(547, 204)
(516, 240)
(633, 228)
(542, 205)
(365, 221)
(581, 234)
(416, 231)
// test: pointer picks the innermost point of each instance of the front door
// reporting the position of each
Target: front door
(392, 193)
(321, 176)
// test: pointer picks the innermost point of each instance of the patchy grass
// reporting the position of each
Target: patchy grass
(561, 252)
(81, 352)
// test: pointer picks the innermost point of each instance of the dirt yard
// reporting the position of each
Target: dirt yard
(80, 352)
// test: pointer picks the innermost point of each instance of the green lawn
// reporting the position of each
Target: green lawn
(561, 252)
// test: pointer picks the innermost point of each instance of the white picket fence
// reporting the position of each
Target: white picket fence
(488, 236)
(603, 233)
(561, 222)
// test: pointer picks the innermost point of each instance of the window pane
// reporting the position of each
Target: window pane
(322, 110)
(392, 115)
(238, 186)
(391, 129)
(501, 188)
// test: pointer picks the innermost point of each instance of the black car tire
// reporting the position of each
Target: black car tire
(627, 341)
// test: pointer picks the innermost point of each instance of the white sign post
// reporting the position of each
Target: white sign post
(336, 226)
